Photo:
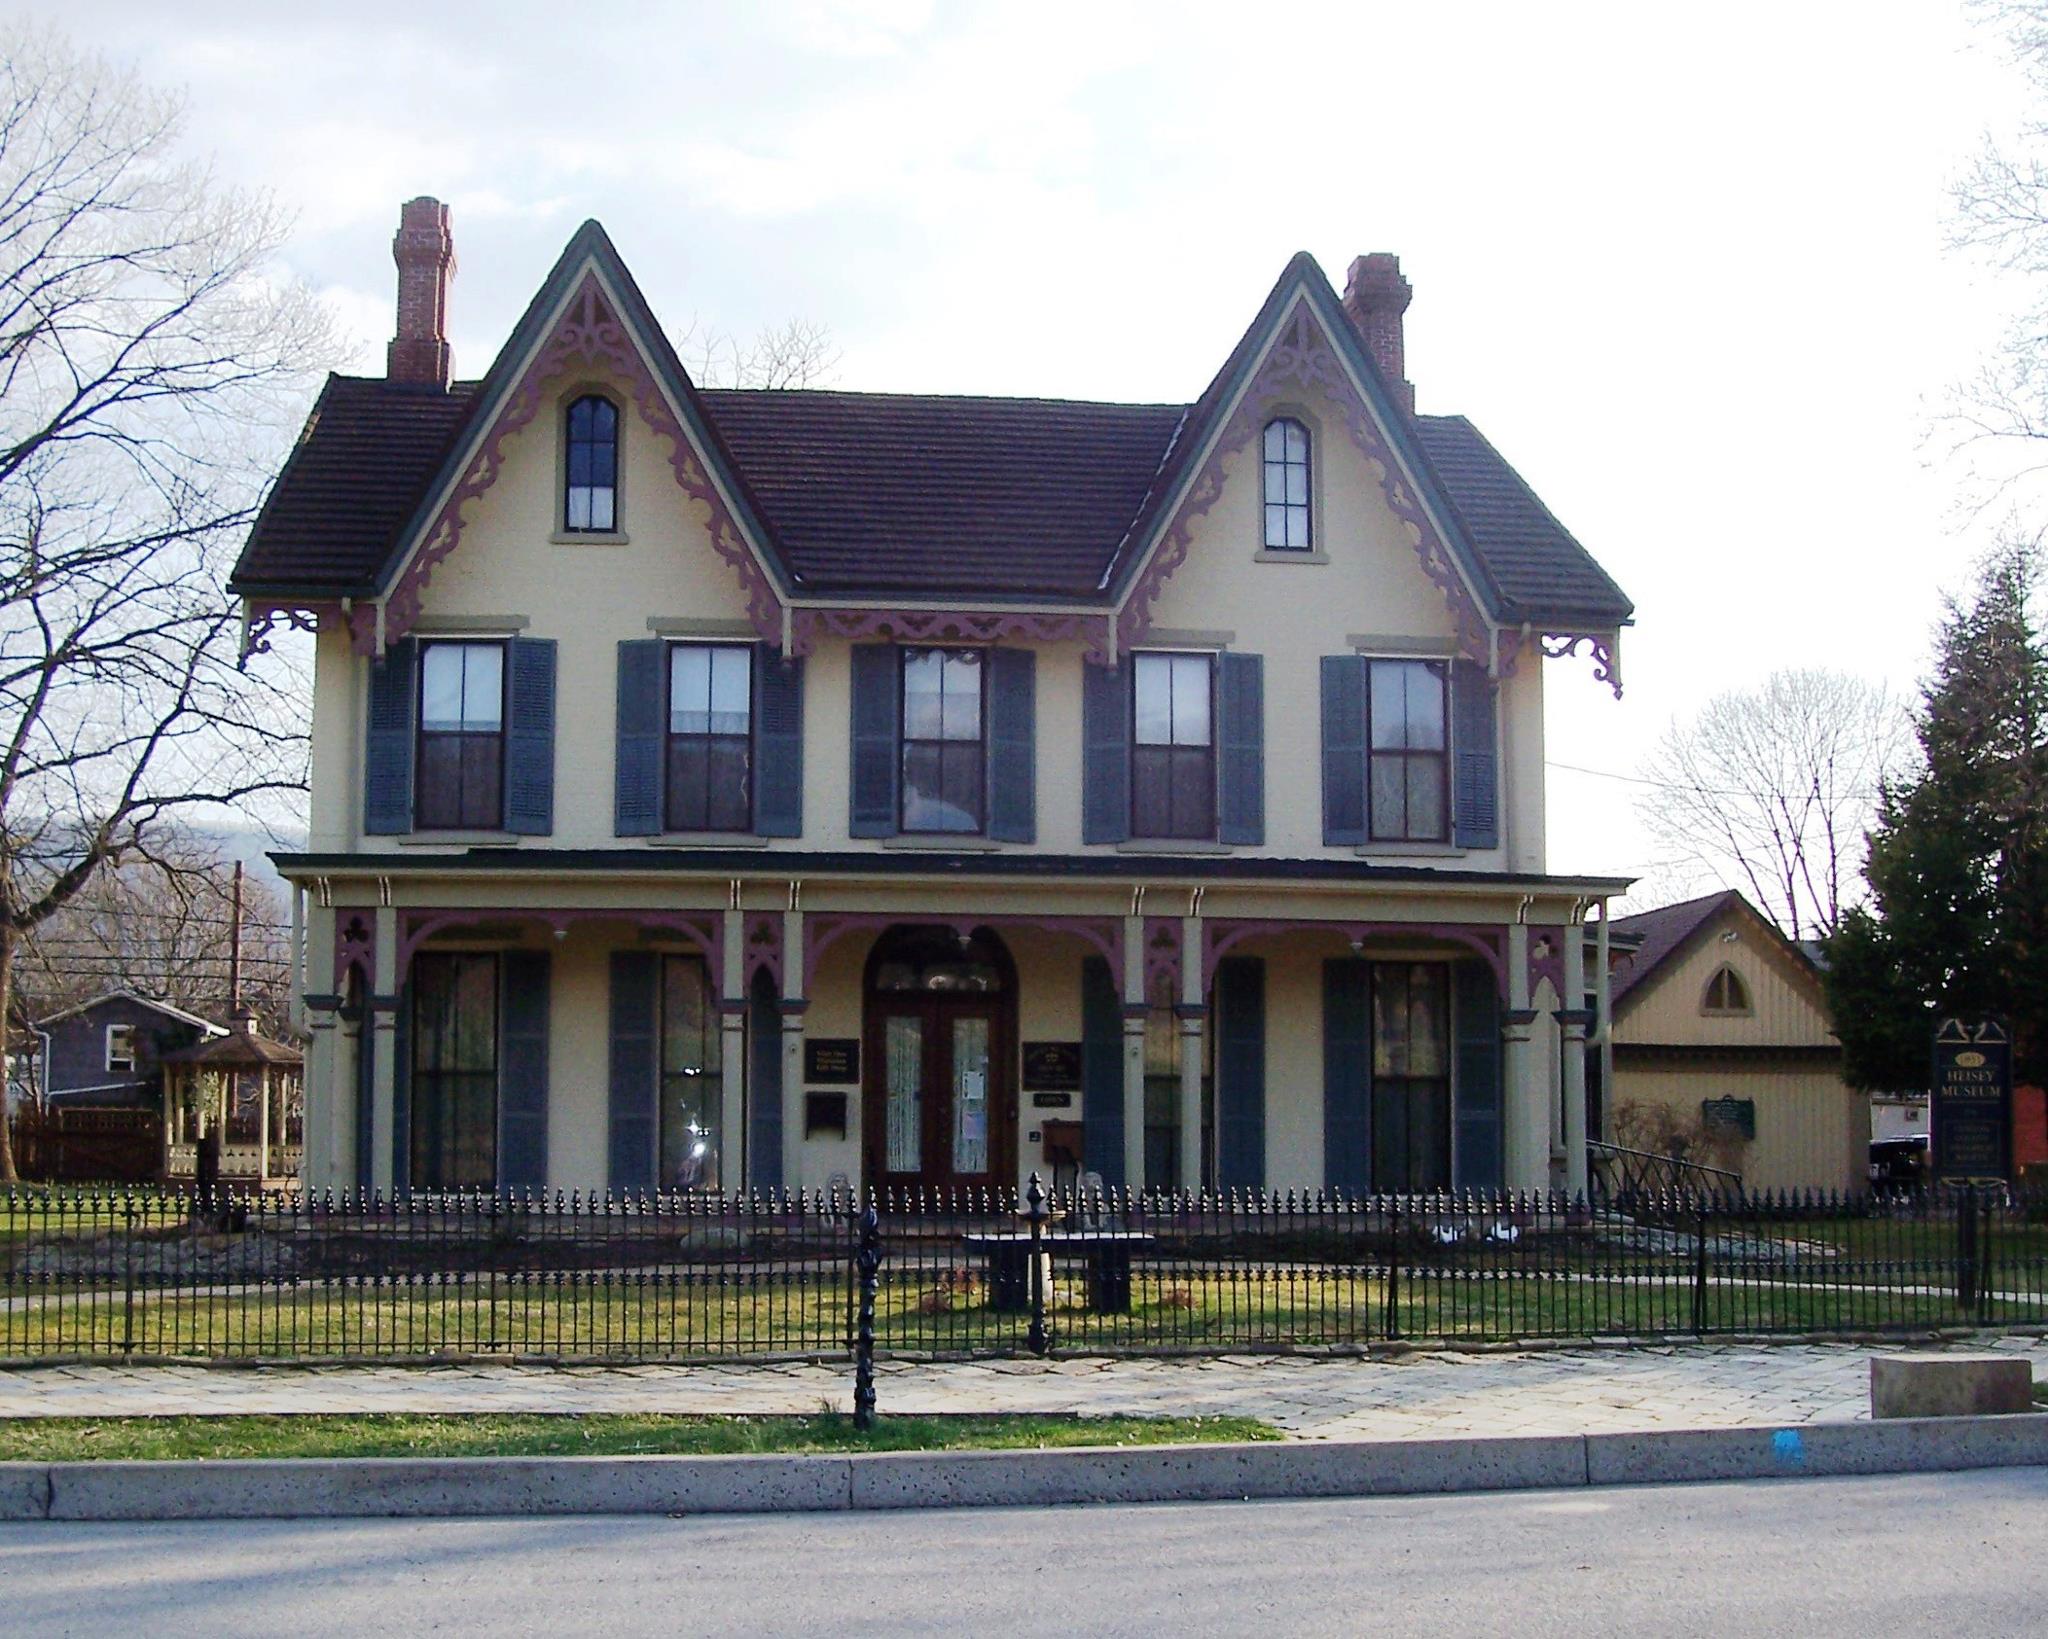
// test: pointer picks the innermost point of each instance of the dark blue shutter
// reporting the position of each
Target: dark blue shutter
(401, 1090)
(877, 709)
(643, 697)
(1478, 1068)
(1012, 745)
(530, 736)
(1105, 753)
(764, 1084)
(1241, 1072)
(1102, 1071)
(778, 744)
(636, 976)
(1343, 749)
(1241, 767)
(1475, 778)
(387, 766)
(1347, 1075)
(523, 1072)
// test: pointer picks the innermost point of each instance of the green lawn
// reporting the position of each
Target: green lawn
(81, 1439)
(598, 1316)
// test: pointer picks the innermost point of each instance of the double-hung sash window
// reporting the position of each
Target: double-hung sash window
(945, 756)
(710, 783)
(590, 492)
(691, 1065)
(454, 1083)
(1173, 746)
(1411, 1076)
(461, 757)
(1286, 489)
(1408, 751)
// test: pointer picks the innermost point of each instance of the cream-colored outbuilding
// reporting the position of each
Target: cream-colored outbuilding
(1723, 1047)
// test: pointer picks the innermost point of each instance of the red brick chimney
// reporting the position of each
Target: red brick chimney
(1376, 296)
(425, 255)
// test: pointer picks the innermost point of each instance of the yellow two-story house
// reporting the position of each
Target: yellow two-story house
(772, 789)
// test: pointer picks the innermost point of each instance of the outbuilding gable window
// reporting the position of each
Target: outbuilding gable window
(1287, 490)
(1173, 746)
(1408, 753)
(461, 759)
(1726, 993)
(710, 738)
(120, 1047)
(944, 756)
(590, 495)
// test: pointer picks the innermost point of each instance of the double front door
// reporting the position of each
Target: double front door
(938, 1100)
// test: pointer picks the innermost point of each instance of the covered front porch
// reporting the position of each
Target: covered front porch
(1394, 1031)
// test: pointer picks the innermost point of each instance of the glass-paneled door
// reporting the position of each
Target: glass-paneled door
(936, 1100)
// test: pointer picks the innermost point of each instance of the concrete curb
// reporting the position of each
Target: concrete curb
(408, 1487)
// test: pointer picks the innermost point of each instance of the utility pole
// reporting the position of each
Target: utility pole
(235, 948)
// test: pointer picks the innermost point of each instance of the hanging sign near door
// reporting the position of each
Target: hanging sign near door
(833, 1060)
(1052, 1066)
(1972, 1102)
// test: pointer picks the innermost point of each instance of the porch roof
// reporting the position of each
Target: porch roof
(928, 865)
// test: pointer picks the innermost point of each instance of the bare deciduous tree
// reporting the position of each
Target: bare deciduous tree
(798, 353)
(2000, 418)
(1774, 789)
(164, 929)
(151, 358)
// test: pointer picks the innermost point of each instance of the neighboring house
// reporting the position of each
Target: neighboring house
(107, 1052)
(1722, 1035)
(773, 788)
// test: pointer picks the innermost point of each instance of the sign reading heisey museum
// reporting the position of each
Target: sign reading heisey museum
(1972, 1113)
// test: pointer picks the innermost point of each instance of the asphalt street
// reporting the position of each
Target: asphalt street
(1928, 1554)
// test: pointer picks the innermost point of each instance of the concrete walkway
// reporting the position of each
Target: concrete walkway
(1421, 1396)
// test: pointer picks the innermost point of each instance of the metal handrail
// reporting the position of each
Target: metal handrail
(1647, 1171)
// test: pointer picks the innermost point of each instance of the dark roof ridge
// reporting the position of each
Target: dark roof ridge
(715, 393)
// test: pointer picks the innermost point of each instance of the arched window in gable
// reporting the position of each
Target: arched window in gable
(1726, 993)
(1287, 490)
(590, 491)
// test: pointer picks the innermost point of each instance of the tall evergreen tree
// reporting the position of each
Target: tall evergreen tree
(1958, 864)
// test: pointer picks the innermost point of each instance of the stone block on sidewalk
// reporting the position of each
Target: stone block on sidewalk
(1949, 1385)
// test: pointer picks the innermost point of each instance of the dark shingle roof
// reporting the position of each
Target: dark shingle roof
(369, 450)
(865, 493)
(1537, 566)
(1662, 931)
(984, 496)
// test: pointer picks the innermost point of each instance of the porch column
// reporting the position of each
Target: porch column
(1134, 1052)
(732, 1043)
(1603, 1025)
(1193, 1013)
(330, 1135)
(795, 955)
(1528, 1103)
(1571, 1017)
(380, 1040)
(262, 1125)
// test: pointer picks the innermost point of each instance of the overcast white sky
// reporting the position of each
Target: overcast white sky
(1684, 266)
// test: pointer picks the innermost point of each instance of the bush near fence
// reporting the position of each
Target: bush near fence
(165, 1274)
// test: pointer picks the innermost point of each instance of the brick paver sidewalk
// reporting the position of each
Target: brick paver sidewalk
(1558, 1391)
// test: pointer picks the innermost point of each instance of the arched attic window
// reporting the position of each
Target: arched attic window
(1726, 993)
(590, 490)
(1288, 526)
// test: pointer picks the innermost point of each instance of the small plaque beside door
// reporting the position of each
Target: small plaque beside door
(824, 1115)
(833, 1060)
(1052, 1066)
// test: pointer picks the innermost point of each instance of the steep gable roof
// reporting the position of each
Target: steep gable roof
(1669, 930)
(850, 494)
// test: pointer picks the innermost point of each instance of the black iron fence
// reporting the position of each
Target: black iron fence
(164, 1274)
